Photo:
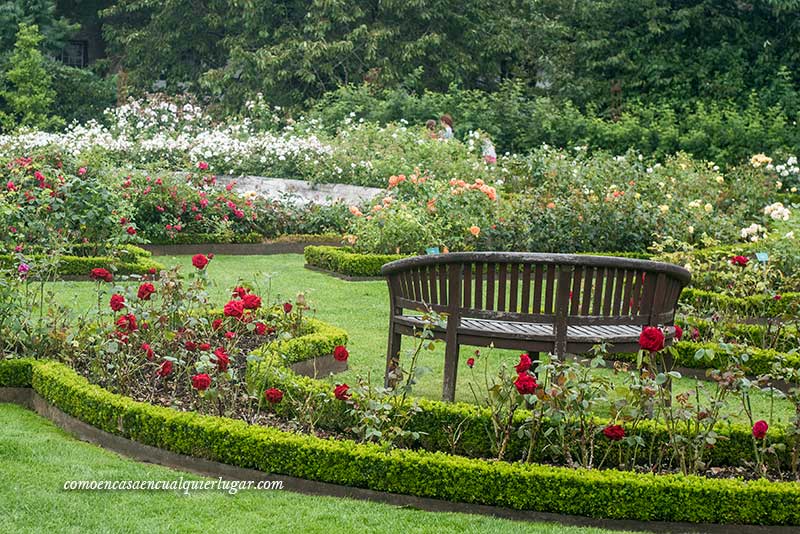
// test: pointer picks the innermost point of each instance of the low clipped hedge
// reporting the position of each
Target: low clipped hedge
(607, 494)
(344, 261)
(203, 239)
(752, 306)
(71, 265)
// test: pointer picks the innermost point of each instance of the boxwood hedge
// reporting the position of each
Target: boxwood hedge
(594, 493)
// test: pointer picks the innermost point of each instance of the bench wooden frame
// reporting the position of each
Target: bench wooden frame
(556, 303)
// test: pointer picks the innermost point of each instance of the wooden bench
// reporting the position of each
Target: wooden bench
(555, 303)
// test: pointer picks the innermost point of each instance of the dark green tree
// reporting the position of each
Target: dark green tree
(55, 30)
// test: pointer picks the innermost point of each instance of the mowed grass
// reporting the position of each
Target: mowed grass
(36, 459)
(362, 309)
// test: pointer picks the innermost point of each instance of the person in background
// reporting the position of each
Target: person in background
(447, 126)
(487, 150)
(431, 126)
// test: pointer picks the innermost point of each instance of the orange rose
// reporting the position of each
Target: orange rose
(474, 230)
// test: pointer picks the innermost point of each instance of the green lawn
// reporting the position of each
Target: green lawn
(36, 458)
(361, 308)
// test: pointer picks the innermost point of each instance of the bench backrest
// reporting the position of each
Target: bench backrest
(562, 289)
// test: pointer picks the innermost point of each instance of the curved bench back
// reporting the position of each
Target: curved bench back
(558, 289)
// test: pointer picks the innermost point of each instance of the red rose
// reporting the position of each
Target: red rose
(127, 322)
(340, 353)
(190, 345)
(230, 335)
(251, 302)
(525, 384)
(273, 395)
(145, 290)
(524, 363)
(678, 332)
(239, 292)
(165, 369)
(614, 432)
(741, 261)
(261, 329)
(340, 392)
(777, 297)
(760, 429)
(651, 339)
(234, 308)
(287, 307)
(117, 302)
(216, 324)
(101, 274)
(204, 347)
(148, 351)
(201, 382)
(471, 362)
(199, 261)
(152, 270)
(131, 230)
(202, 165)
(222, 359)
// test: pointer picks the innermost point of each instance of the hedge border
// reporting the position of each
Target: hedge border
(592, 493)
(287, 244)
(80, 266)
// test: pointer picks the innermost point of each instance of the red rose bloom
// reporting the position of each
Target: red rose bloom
(261, 329)
(234, 308)
(251, 302)
(340, 353)
(524, 363)
(216, 324)
(525, 384)
(741, 261)
(614, 432)
(287, 307)
(230, 335)
(204, 346)
(165, 369)
(273, 395)
(101, 274)
(127, 322)
(131, 230)
(148, 351)
(201, 382)
(145, 290)
(471, 362)
(199, 261)
(678, 332)
(239, 292)
(651, 339)
(222, 359)
(117, 302)
(760, 429)
(190, 345)
(340, 392)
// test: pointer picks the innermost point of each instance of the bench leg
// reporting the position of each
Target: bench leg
(392, 357)
(450, 371)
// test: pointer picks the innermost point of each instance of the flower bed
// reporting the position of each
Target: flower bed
(607, 494)
(128, 261)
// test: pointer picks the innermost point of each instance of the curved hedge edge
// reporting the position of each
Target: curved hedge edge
(16, 373)
(344, 261)
(319, 340)
(608, 494)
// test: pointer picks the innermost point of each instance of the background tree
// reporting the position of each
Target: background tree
(55, 30)
(27, 91)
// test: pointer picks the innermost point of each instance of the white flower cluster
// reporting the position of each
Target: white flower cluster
(164, 131)
(786, 169)
(753, 233)
(778, 212)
